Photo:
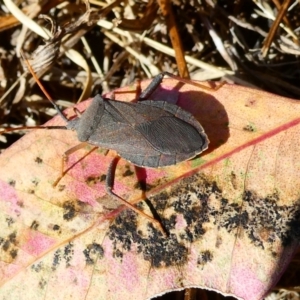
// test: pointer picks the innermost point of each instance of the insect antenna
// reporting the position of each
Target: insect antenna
(6, 130)
(42, 88)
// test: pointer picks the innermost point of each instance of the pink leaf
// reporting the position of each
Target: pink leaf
(232, 214)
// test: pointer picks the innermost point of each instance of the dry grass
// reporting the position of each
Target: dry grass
(253, 43)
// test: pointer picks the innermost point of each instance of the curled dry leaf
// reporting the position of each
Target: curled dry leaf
(46, 55)
(232, 214)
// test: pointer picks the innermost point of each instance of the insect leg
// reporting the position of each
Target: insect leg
(109, 188)
(65, 159)
(156, 81)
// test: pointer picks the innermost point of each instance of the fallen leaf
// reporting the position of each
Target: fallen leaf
(232, 213)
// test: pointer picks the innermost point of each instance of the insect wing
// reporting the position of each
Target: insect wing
(171, 135)
(116, 131)
(176, 131)
(175, 134)
(149, 133)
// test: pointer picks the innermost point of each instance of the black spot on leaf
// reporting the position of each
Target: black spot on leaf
(93, 252)
(199, 205)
